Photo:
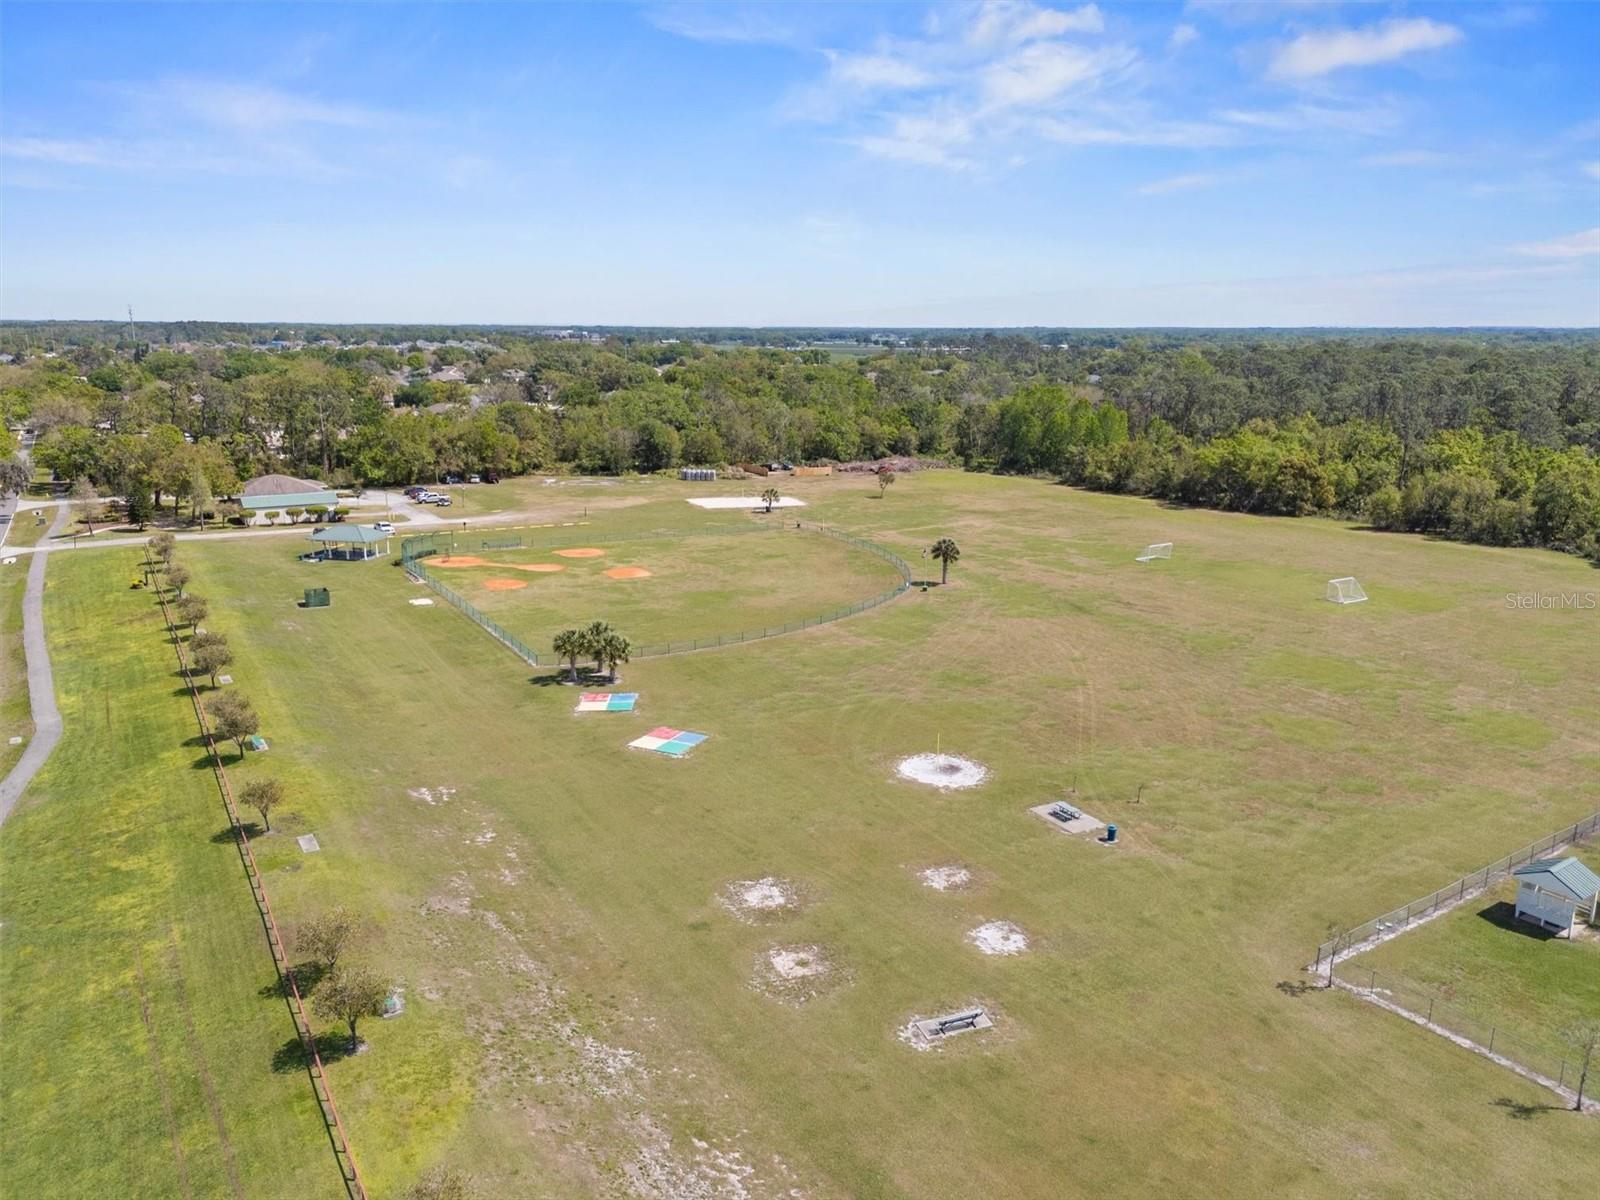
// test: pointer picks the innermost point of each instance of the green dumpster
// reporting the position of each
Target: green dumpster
(317, 598)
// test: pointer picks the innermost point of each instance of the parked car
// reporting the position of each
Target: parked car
(413, 492)
(451, 478)
(425, 497)
(383, 526)
(442, 501)
(474, 479)
(491, 476)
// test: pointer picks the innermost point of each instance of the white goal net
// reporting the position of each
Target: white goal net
(1345, 591)
(1159, 550)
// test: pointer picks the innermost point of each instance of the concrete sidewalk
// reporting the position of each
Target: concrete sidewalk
(41, 681)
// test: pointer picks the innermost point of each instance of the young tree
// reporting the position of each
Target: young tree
(350, 994)
(947, 552)
(263, 795)
(210, 658)
(86, 503)
(569, 645)
(162, 546)
(192, 610)
(1585, 1038)
(770, 497)
(885, 478)
(294, 515)
(199, 495)
(614, 649)
(327, 936)
(232, 718)
(272, 516)
(178, 576)
(139, 507)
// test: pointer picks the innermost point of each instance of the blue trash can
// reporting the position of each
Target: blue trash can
(1111, 833)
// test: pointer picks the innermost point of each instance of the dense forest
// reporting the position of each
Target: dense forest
(1488, 436)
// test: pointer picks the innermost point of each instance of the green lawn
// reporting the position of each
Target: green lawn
(1497, 973)
(16, 714)
(698, 585)
(136, 987)
(582, 1011)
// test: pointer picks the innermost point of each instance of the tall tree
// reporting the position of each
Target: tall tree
(885, 478)
(947, 552)
(770, 497)
(85, 502)
(614, 649)
(569, 647)
(199, 495)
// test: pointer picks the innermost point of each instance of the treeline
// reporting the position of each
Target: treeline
(1490, 437)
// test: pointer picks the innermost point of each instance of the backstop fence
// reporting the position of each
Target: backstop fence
(415, 551)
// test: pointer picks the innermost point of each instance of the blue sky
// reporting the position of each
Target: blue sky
(987, 164)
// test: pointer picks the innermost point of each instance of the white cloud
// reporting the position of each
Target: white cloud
(1178, 183)
(1182, 35)
(1369, 121)
(1573, 245)
(1075, 131)
(927, 140)
(879, 71)
(1323, 51)
(1017, 21)
(738, 24)
(1039, 73)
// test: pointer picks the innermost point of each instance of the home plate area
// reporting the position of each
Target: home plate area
(607, 701)
(675, 742)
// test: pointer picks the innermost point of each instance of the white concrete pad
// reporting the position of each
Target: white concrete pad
(308, 843)
(745, 502)
(1084, 824)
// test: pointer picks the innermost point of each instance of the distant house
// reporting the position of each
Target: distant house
(275, 493)
(1551, 890)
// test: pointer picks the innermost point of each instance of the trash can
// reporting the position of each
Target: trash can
(1111, 833)
(317, 598)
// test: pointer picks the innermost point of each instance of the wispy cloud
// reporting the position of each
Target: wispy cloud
(1178, 183)
(1181, 36)
(1323, 51)
(1573, 245)
(734, 23)
(1016, 21)
(1369, 120)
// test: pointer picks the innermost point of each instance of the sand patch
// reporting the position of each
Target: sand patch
(999, 937)
(755, 900)
(581, 552)
(534, 566)
(945, 879)
(626, 573)
(795, 974)
(504, 585)
(458, 560)
(943, 771)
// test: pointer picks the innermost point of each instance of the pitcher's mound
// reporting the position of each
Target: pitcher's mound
(459, 560)
(504, 585)
(581, 552)
(536, 566)
(626, 573)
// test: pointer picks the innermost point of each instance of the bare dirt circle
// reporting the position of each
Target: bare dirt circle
(626, 573)
(504, 585)
(999, 938)
(581, 552)
(460, 560)
(943, 771)
(538, 567)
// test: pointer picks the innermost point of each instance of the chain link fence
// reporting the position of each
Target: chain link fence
(1529, 1056)
(416, 550)
(1369, 933)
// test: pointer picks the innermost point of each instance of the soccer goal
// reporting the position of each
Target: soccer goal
(1345, 591)
(1159, 550)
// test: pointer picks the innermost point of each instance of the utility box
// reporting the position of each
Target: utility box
(317, 598)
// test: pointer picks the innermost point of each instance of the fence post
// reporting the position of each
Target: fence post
(1372, 984)
(1492, 1032)
(1430, 1010)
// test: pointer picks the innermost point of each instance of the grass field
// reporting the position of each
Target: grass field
(696, 586)
(585, 1018)
(1500, 973)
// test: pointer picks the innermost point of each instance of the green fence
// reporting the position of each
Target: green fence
(415, 551)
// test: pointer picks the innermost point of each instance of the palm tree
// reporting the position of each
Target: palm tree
(770, 497)
(946, 552)
(614, 650)
(570, 646)
(594, 642)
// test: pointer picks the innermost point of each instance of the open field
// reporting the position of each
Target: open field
(586, 1017)
(1499, 972)
(666, 588)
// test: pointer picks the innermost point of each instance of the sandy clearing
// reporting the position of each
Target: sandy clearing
(626, 573)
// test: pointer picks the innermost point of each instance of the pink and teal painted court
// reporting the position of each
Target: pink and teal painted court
(663, 740)
(607, 701)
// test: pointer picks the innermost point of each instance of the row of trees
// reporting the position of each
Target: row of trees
(339, 991)
(598, 641)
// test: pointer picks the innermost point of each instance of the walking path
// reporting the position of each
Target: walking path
(41, 681)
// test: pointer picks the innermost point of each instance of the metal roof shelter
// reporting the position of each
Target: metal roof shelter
(278, 492)
(1551, 890)
(352, 543)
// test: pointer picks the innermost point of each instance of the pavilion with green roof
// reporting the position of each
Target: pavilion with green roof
(350, 543)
